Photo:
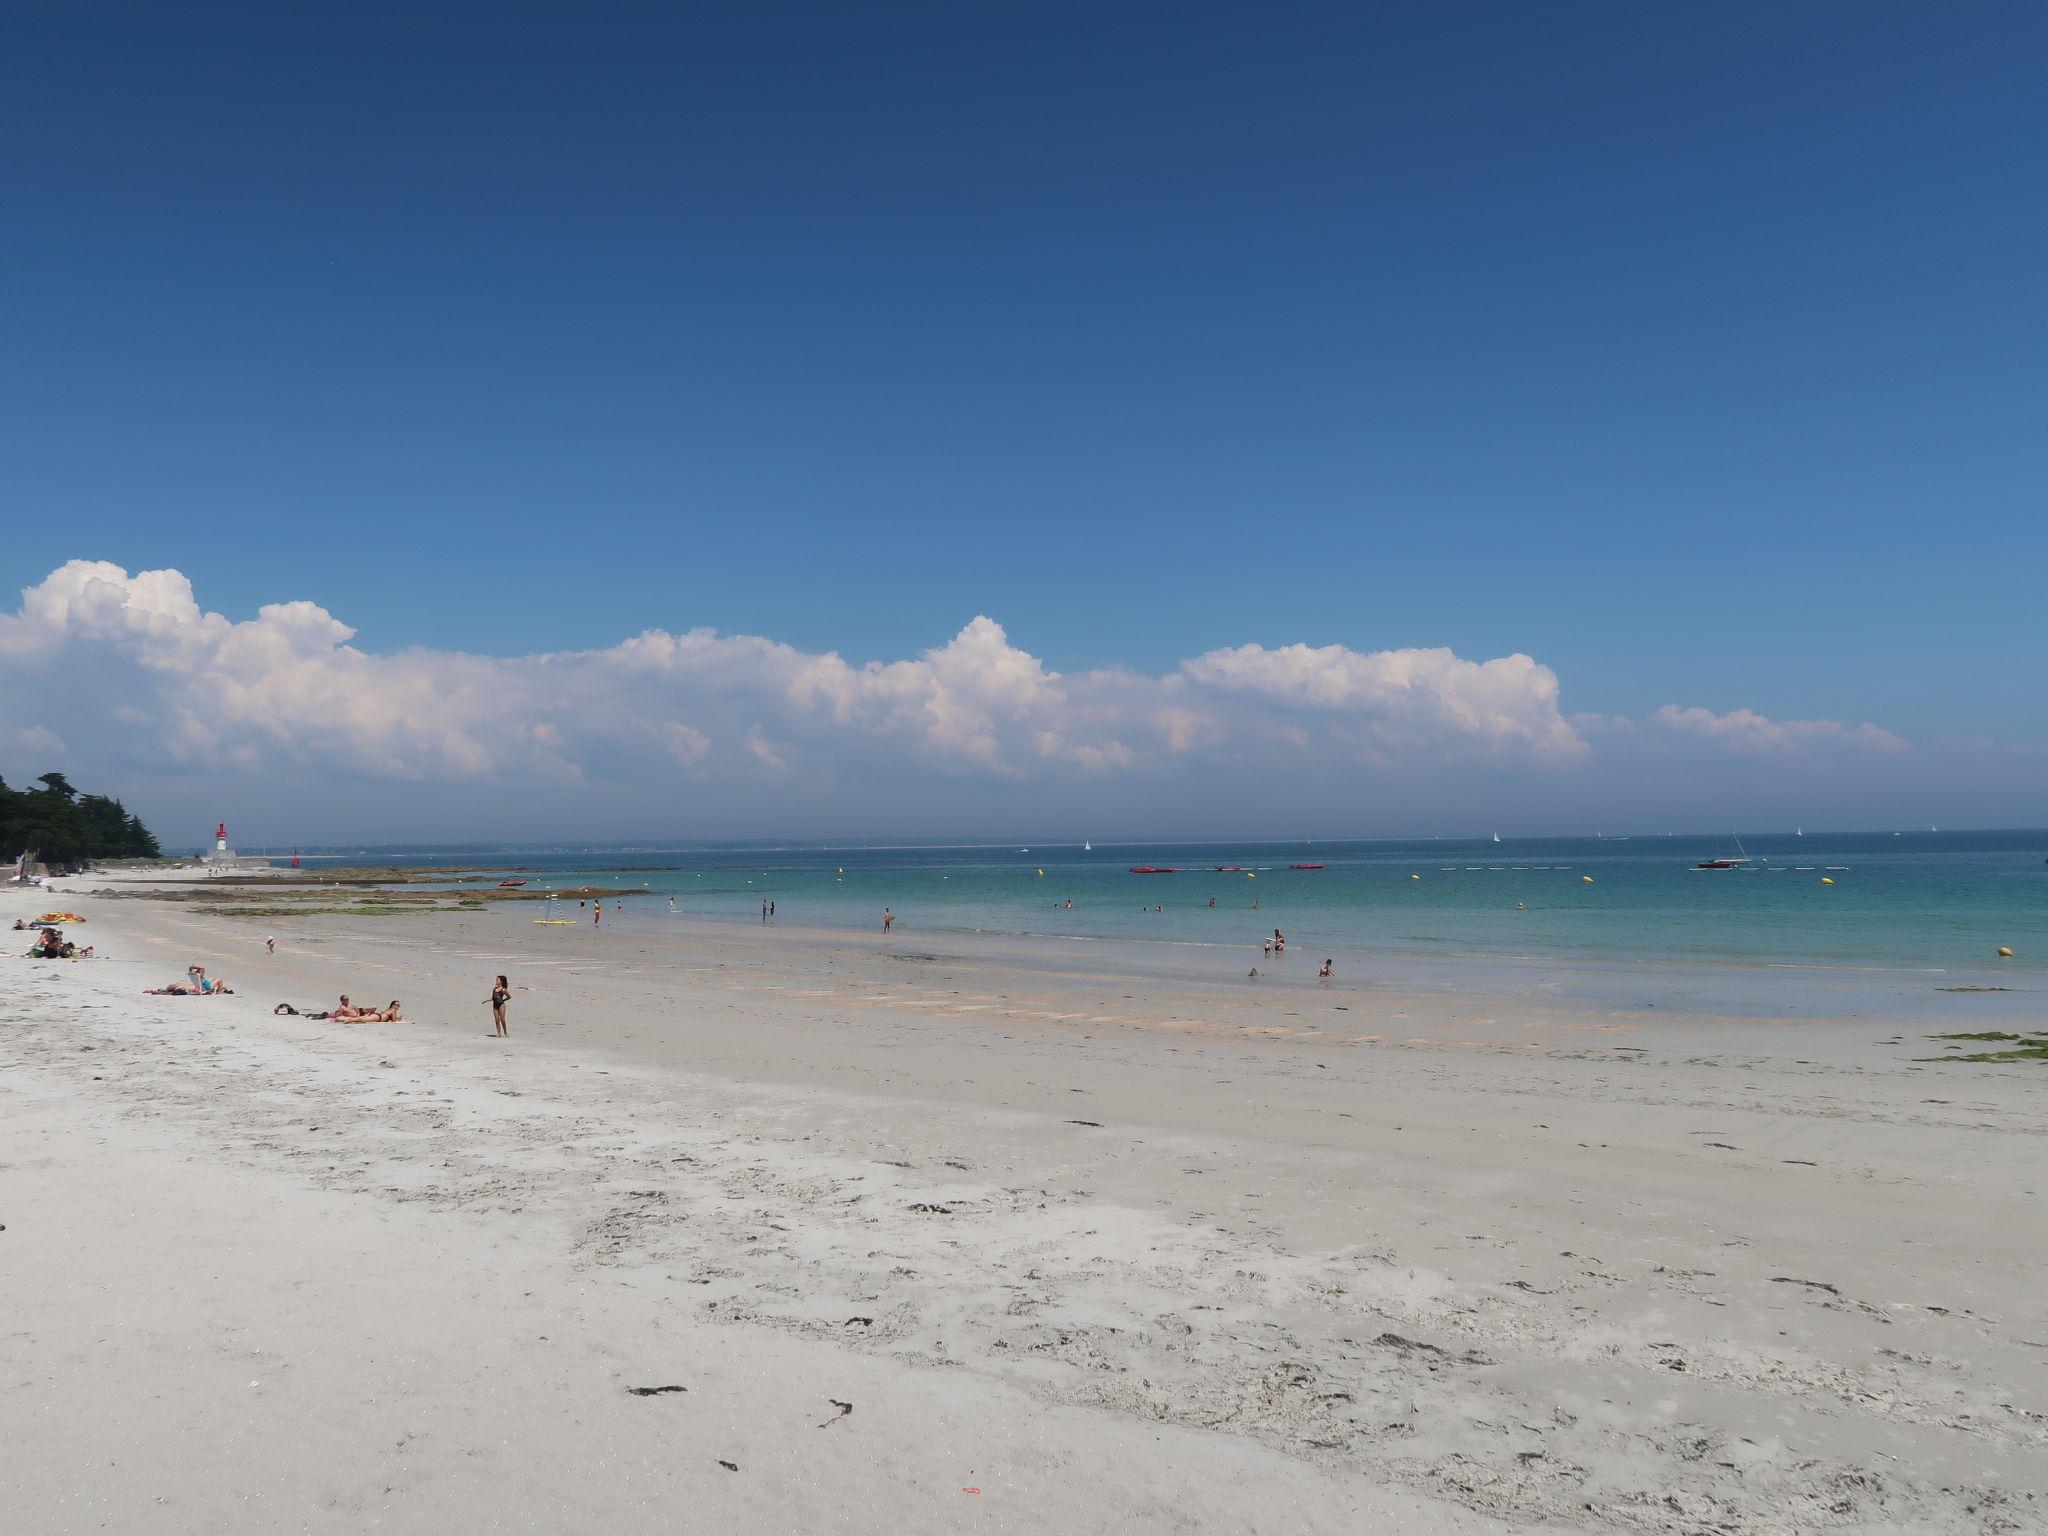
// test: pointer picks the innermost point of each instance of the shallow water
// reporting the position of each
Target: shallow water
(1911, 903)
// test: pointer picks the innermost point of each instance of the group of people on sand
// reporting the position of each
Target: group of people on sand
(50, 944)
(346, 1012)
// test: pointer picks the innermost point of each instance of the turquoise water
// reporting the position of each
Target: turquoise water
(1898, 902)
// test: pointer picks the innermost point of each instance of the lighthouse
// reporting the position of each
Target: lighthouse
(222, 856)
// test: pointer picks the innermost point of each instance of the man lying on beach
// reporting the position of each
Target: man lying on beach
(385, 1015)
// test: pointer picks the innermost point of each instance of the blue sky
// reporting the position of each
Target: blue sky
(1702, 357)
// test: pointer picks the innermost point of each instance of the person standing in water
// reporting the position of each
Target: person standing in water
(888, 919)
(501, 994)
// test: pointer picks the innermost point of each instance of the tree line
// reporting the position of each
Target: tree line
(61, 826)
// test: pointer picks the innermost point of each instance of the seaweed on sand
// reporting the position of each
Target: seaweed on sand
(2032, 1047)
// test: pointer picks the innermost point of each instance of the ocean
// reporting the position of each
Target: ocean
(1875, 901)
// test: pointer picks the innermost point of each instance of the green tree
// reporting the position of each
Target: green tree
(62, 826)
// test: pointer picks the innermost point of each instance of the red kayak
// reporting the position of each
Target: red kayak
(1228, 869)
(510, 885)
(1150, 869)
(1304, 866)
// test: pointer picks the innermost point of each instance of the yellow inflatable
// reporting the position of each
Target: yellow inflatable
(2005, 952)
(1587, 878)
(1827, 879)
(60, 917)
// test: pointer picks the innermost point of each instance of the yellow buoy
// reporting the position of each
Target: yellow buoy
(1827, 879)
(2005, 952)
(1249, 875)
(1587, 878)
(839, 871)
(1415, 877)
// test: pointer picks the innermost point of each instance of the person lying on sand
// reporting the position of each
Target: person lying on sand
(387, 1015)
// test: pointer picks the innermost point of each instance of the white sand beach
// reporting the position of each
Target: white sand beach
(754, 1229)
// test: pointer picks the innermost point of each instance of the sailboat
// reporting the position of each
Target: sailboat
(1496, 837)
(1741, 858)
(1086, 846)
(1799, 831)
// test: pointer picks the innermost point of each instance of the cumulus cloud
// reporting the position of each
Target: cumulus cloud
(731, 732)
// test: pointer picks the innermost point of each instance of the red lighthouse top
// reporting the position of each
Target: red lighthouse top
(221, 831)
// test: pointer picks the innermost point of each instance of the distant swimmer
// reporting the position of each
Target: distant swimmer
(1520, 908)
(1252, 974)
(1212, 901)
(671, 903)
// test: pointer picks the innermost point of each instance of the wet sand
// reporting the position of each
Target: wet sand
(1124, 1251)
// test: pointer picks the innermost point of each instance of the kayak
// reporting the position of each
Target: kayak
(510, 885)
(1304, 866)
(1150, 869)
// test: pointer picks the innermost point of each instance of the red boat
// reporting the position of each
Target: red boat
(1150, 869)
(1228, 869)
(510, 885)
(1304, 866)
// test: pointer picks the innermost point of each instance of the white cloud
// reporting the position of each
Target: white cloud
(1747, 731)
(1401, 697)
(769, 737)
